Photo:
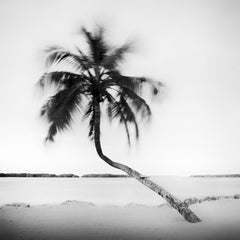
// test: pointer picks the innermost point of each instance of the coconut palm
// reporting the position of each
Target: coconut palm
(93, 86)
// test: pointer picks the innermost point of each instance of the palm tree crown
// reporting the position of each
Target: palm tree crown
(95, 76)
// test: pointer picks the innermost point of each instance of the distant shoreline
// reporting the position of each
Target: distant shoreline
(106, 175)
(47, 175)
(36, 175)
(218, 176)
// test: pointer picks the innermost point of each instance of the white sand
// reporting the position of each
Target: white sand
(76, 220)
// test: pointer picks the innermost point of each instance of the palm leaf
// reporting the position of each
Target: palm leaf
(112, 60)
(115, 110)
(57, 78)
(89, 113)
(97, 45)
(59, 110)
(138, 103)
(135, 84)
(56, 55)
(130, 116)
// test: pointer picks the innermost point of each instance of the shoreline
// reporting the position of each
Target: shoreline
(188, 201)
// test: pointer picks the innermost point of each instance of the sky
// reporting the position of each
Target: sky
(191, 46)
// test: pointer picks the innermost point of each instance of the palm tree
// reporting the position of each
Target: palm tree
(94, 83)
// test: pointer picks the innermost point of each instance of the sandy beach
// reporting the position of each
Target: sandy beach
(82, 220)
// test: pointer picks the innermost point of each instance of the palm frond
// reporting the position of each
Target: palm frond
(51, 54)
(91, 126)
(56, 55)
(88, 110)
(52, 131)
(112, 60)
(67, 79)
(97, 44)
(89, 113)
(130, 116)
(138, 103)
(115, 110)
(135, 84)
(59, 110)
(86, 61)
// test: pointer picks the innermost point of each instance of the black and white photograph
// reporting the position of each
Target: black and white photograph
(120, 120)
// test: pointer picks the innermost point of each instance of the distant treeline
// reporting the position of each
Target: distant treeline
(106, 175)
(47, 175)
(38, 175)
(218, 175)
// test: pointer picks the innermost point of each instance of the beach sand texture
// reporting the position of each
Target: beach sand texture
(76, 219)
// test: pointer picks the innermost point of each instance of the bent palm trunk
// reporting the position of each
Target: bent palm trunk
(180, 206)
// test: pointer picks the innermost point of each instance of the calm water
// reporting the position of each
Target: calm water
(109, 191)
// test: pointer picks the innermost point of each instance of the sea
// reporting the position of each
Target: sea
(110, 191)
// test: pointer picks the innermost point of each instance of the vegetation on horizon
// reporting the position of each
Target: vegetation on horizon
(217, 175)
(68, 175)
(104, 175)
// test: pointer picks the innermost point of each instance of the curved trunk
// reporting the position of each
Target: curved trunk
(180, 206)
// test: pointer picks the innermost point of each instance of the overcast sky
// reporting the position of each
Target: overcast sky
(193, 47)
